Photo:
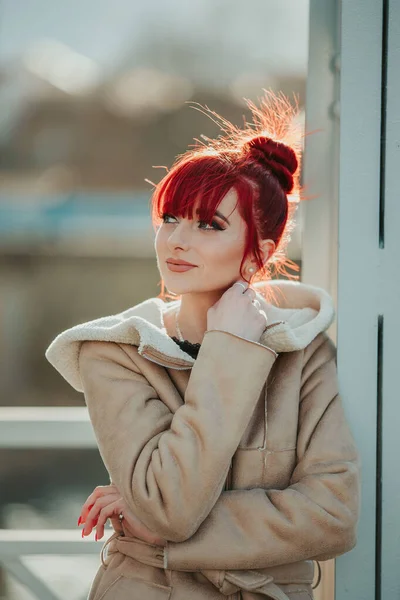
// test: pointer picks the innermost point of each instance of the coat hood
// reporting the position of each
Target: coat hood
(298, 311)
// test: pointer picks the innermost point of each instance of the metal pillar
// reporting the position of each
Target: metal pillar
(320, 175)
(368, 281)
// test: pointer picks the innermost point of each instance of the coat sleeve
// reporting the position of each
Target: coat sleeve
(315, 517)
(170, 467)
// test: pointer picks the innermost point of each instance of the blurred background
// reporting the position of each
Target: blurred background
(93, 96)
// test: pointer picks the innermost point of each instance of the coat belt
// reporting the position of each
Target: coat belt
(262, 581)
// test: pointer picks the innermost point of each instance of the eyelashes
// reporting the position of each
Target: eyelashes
(215, 225)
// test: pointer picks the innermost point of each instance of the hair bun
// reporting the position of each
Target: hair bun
(279, 158)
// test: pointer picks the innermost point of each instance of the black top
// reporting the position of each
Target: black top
(188, 347)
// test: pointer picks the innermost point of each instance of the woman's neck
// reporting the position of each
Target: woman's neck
(192, 315)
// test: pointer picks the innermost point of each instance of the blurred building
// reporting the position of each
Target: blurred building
(91, 99)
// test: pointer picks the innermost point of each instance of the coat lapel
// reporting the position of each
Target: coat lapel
(296, 314)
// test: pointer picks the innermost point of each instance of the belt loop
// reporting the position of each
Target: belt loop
(112, 537)
(319, 576)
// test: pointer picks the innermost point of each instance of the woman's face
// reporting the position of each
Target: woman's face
(215, 250)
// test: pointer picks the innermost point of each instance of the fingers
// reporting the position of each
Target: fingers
(114, 508)
(97, 493)
(96, 513)
(264, 316)
(115, 524)
(250, 292)
(92, 518)
(240, 286)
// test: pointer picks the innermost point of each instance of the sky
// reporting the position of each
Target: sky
(107, 32)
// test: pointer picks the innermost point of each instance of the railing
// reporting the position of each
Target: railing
(42, 427)
(16, 543)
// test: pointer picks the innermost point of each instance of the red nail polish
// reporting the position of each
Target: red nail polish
(79, 521)
(83, 533)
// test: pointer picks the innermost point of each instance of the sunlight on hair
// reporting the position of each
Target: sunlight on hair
(262, 161)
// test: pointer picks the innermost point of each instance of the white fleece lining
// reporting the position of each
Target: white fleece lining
(305, 309)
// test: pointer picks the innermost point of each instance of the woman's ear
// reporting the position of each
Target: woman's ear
(267, 249)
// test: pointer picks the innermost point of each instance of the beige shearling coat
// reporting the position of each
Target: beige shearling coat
(243, 461)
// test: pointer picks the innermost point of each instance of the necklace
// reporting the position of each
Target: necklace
(178, 330)
(188, 347)
(186, 344)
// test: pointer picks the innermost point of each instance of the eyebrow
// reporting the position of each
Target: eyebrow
(220, 215)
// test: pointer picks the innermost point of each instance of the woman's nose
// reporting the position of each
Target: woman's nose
(179, 237)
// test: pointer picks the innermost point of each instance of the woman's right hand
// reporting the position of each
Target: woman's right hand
(236, 313)
(106, 502)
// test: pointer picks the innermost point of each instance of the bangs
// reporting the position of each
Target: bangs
(193, 189)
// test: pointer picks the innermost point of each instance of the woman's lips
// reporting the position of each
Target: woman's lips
(179, 268)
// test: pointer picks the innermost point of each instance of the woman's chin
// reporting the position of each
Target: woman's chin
(178, 283)
(179, 288)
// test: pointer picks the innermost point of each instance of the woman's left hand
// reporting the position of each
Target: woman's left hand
(105, 502)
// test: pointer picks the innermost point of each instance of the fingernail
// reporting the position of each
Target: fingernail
(79, 521)
(83, 533)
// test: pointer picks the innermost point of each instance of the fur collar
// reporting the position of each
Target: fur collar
(300, 311)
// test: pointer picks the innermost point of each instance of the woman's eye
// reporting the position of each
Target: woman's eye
(166, 216)
(202, 224)
(214, 225)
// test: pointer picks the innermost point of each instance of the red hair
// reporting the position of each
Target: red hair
(261, 161)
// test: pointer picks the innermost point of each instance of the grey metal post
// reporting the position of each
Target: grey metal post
(359, 286)
(367, 287)
(368, 281)
(320, 175)
(388, 565)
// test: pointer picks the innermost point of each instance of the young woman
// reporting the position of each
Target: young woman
(217, 414)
